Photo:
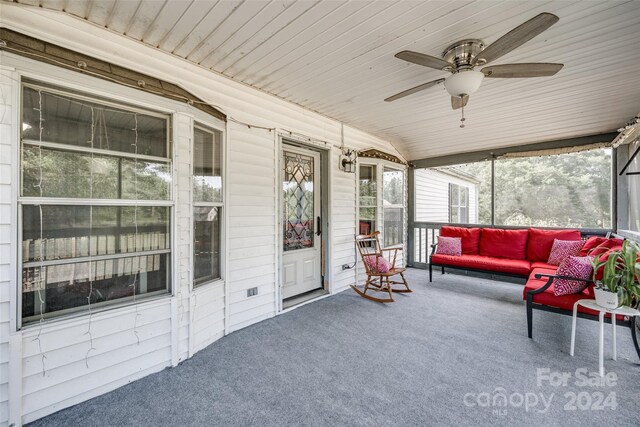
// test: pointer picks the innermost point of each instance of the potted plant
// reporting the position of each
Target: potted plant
(621, 271)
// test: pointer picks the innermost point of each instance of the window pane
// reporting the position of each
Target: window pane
(68, 286)
(206, 223)
(68, 174)
(367, 220)
(81, 123)
(393, 204)
(207, 177)
(393, 226)
(566, 190)
(152, 181)
(368, 186)
(393, 187)
(81, 231)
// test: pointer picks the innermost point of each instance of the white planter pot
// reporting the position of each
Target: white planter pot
(606, 299)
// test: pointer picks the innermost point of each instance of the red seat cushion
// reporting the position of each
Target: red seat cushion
(541, 241)
(539, 264)
(470, 237)
(479, 262)
(548, 297)
(499, 243)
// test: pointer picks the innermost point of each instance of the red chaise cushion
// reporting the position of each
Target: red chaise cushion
(541, 241)
(591, 243)
(470, 237)
(549, 299)
(479, 262)
(501, 243)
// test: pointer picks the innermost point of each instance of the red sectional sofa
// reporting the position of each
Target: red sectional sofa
(497, 250)
(524, 253)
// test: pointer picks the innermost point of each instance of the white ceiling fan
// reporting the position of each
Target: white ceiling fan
(463, 56)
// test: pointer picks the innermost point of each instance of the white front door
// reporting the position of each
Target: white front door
(301, 238)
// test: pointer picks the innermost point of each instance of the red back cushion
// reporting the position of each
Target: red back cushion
(470, 237)
(500, 243)
(591, 243)
(602, 257)
(540, 242)
(605, 246)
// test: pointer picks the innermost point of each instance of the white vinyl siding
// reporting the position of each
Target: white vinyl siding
(432, 196)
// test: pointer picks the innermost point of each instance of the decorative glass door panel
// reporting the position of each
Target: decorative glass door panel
(298, 201)
(301, 235)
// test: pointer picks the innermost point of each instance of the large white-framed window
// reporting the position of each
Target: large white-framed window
(95, 202)
(208, 204)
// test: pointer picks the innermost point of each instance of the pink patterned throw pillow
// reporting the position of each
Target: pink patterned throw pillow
(573, 266)
(563, 249)
(377, 263)
(449, 246)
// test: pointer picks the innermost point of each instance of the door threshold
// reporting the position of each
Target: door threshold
(302, 298)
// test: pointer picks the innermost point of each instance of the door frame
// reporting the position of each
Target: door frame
(326, 155)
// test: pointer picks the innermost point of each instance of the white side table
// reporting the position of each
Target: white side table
(591, 303)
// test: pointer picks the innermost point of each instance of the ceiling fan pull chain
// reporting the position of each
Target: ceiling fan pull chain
(462, 103)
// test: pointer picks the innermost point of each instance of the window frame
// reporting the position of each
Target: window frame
(457, 187)
(209, 126)
(380, 166)
(74, 91)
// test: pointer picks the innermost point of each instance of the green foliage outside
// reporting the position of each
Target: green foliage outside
(566, 190)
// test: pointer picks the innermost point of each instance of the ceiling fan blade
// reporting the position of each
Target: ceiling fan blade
(517, 37)
(508, 71)
(424, 60)
(458, 102)
(414, 90)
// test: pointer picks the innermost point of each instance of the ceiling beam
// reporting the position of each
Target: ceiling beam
(477, 156)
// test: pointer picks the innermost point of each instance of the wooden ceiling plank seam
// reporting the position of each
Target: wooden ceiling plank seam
(150, 27)
(211, 57)
(112, 13)
(193, 28)
(175, 24)
(229, 11)
(234, 19)
(279, 62)
(320, 58)
(245, 52)
(133, 18)
(145, 16)
(297, 26)
(88, 8)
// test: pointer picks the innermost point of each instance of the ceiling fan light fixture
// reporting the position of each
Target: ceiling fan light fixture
(463, 82)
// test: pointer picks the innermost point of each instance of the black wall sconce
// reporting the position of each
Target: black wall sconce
(348, 161)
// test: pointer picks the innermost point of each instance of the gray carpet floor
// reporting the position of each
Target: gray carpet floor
(442, 355)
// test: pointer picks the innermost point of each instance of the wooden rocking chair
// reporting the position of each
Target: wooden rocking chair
(377, 280)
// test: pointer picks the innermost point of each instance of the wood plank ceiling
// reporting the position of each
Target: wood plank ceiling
(336, 58)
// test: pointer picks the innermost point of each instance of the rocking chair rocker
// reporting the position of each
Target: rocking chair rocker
(379, 270)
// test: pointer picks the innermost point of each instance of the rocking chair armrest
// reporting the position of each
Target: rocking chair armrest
(395, 253)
